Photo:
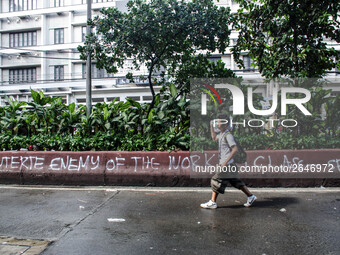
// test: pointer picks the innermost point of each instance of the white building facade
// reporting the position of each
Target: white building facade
(38, 50)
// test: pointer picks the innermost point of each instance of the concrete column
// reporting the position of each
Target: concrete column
(44, 41)
(1, 78)
(71, 40)
(70, 27)
(270, 87)
(232, 62)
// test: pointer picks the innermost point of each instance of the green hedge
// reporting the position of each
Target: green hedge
(168, 141)
(126, 125)
(129, 126)
(98, 142)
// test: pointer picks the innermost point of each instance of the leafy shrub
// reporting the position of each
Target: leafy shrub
(129, 126)
(51, 125)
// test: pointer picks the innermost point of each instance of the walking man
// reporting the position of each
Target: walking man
(227, 149)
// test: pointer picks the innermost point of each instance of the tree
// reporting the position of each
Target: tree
(198, 66)
(289, 37)
(157, 33)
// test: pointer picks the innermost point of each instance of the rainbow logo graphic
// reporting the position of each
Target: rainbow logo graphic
(209, 90)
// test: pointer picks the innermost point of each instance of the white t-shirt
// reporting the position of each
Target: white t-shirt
(225, 142)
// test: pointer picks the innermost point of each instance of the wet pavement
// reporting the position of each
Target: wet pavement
(118, 220)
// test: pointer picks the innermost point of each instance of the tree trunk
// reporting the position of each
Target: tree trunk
(296, 62)
(151, 87)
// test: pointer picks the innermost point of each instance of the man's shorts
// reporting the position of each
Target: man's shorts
(219, 184)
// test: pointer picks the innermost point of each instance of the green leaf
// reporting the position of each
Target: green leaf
(161, 115)
(173, 90)
(72, 107)
(35, 96)
(157, 99)
(151, 115)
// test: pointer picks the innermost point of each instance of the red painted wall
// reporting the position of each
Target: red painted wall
(158, 168)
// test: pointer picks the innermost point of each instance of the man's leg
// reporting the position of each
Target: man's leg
(246, 190)
(214, 196)
(218, 186)
(237, 183)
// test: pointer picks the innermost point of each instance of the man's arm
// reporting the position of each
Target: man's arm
(212, 131)
(234, 150)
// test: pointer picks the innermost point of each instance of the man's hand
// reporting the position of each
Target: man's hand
(212, 131)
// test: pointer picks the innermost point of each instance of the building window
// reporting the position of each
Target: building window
(214, 59)
(22, 75)
(96, 72)
(58, 3)
(22, 5)
(83, 33)
(58, 73)
(58, 36)
(23, 39)
(247, 61)
(97, 1)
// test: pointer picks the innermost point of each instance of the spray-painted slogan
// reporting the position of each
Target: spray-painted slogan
(259, 163)
(93, 162)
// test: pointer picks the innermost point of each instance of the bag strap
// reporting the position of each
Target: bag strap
(225, 137)
(220, 144)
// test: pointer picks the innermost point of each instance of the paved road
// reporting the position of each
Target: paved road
(111, 220)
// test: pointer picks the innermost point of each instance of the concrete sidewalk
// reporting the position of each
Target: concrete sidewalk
(136, 220)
